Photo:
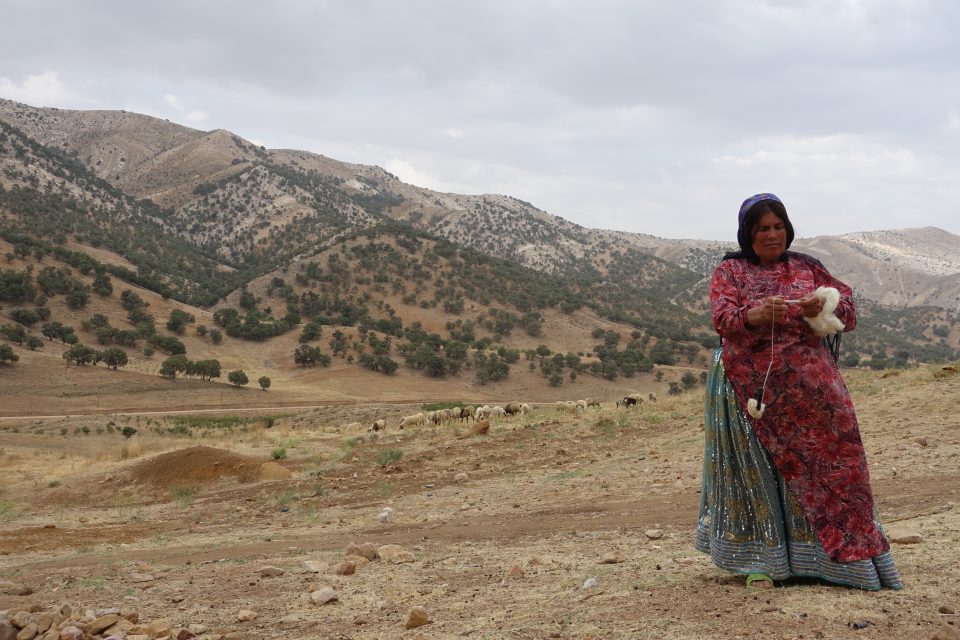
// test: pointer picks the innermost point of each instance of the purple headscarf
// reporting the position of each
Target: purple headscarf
(746, 243)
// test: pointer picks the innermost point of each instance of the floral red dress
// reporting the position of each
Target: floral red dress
(809, 426)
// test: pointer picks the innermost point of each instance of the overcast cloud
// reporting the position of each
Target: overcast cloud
(651, 116)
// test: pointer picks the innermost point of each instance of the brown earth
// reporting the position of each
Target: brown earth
(498, 553)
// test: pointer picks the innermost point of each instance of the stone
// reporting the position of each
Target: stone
(158, 629)
(367, 549)
(325, 595)
(417, 617)
(71, 632)
(270, 572)
(21, 619)
(129, 613)
(198, 629)
(314, 566)
(944, 609)
(395, 554)
(101, 623)
(14, 589)
(904, 535)
(291, 618)
(946, 632)
(141, 577)
(653, 534)
(461, 477)
(43, 621)
(245, 615)
(384, 516)
(359, 561)
(186, 634)
(346, 569)
(613, 557)
(516, 572)
(7, 630)
(29, 632)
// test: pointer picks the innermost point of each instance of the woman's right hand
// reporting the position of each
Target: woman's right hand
(772, 309)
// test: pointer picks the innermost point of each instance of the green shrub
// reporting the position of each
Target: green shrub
(389, 455)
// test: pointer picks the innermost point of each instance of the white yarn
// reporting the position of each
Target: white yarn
(826, 323)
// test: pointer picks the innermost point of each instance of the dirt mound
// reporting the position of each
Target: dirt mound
(196, 465)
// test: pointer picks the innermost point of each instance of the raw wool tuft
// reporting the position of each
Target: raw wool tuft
(826, 323)
(755, 412)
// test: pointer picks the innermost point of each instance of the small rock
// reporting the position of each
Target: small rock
(944, 609)
(384, 516)
(859, 624)
(43, 621)
(325, 595)
(198, 629)
(367, 549)
(395, 553)
(946, 632)
(589, 583)
(245, 615)
(346, 569)
(101, 623)
(270, 572)
(29, 632)
(417, 617)
(7, 631)
(359, 561)
(653, 534)
(461, 477)
(141, 577)
(186, 634)
(613, 557)
(313, 566)
(158, 629)
(291, 618)
(14, 589)
(904, 535)
(71, 633)
(516, 572)
(129, 613)
(21, 619)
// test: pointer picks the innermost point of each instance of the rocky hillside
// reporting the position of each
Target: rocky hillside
(203, 214)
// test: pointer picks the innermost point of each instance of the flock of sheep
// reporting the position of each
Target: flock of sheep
(486, 412)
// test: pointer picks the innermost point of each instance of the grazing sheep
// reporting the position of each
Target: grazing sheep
(630, 401)
(593, 402)
(652, 396)
(581, 405)
(497, 411)
(353, 427)
(466, 413)
(566, 406)
(416, 420)
(512, 408)
(482, 412)
(525, 409)
(378, 425)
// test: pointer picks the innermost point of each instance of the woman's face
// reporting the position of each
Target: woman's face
(769, 238)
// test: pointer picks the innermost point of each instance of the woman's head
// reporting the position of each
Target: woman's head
(765, 231)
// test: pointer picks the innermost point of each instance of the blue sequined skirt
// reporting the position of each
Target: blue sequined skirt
(749, 520)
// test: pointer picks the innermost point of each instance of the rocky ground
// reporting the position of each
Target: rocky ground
(549, 526)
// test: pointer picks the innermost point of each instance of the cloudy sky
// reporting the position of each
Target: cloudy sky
(656, 116)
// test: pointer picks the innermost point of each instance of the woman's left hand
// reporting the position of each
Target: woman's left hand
(811, 304)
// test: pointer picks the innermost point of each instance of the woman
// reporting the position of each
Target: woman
(787, 493)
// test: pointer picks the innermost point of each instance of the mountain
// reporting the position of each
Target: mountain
(214, 221)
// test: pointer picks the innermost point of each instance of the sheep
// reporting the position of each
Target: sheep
(652, 396)
(581, 405)
(353, 427)
(466, 413)
(512, 408)
(481, 413)
(630, 400)
(525, 409)
(416, 420)
(566, 406)
(378, 425)
(592, 402)
(497, 411)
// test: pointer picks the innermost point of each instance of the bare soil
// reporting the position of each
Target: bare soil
(501, 552)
